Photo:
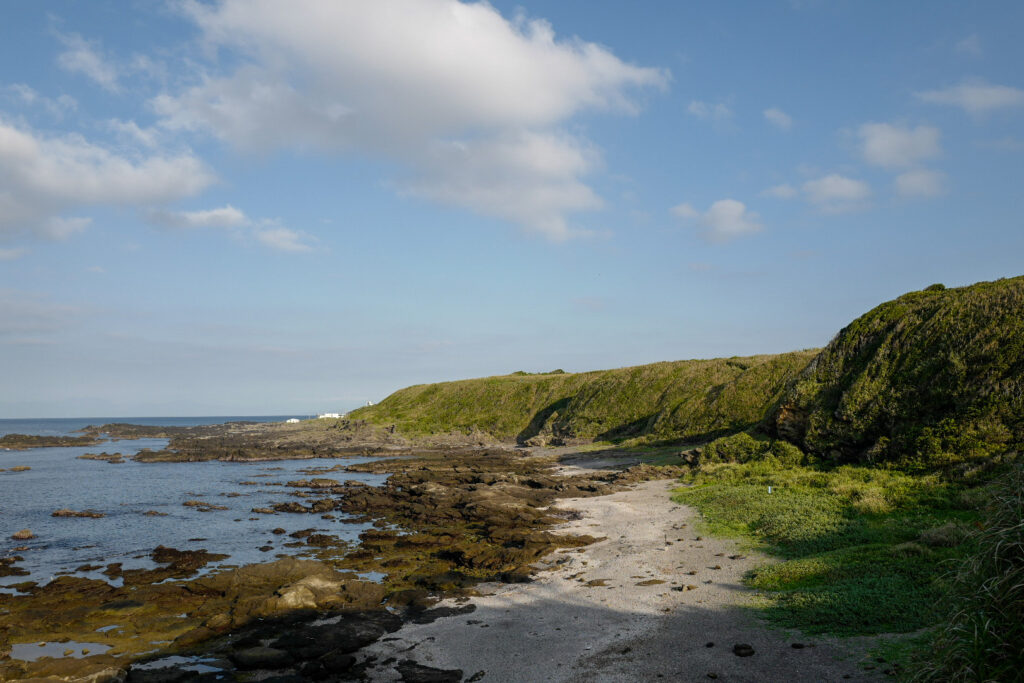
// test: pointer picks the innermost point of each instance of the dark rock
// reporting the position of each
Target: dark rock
(163, 675)
(411, 672)
(742, 650)
(431, 615)
(261, 658)
(331, 664)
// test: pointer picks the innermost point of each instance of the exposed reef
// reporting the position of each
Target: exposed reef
(20, 442)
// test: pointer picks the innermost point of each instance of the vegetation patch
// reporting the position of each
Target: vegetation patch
(863, 549)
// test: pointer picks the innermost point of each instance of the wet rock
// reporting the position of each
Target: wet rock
(261, 658)
(7, 568)
(23, 535)
(184, 560)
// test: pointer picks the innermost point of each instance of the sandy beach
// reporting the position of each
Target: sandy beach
(655, 599)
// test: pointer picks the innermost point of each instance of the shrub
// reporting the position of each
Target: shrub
(744, 447)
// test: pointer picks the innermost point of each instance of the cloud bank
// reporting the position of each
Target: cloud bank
(473, 105)
(43, 179)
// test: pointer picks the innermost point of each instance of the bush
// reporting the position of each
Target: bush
(743, 447)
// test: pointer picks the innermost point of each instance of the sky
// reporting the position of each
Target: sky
(255, 207)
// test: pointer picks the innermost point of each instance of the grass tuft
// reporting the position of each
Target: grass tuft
(983, 639)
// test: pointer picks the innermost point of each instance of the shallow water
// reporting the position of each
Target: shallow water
(124, 492)
(30, 652)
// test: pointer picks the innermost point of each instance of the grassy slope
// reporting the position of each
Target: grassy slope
(929, 379)
(672, 400)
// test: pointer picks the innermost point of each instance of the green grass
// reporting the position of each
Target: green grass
(862, 549)
(671, 401)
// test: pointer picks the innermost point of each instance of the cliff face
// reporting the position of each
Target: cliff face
(932, 378)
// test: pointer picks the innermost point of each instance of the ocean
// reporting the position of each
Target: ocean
(67, 426)
(58, 478)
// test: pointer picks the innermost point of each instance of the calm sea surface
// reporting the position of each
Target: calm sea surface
(58, 479)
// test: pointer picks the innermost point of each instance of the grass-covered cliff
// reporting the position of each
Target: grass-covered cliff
(678, 400)
(930, 379)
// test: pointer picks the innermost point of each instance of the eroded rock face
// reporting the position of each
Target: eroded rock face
(790, 423)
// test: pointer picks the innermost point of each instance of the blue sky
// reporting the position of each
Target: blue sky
(264, 208)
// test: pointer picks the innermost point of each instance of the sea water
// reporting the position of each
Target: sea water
(125, 492)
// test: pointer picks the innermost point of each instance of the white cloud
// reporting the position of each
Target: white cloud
(224, 217)
(269, 233)
(282, 239)
(433, 84)
(971, 45)
(528, 178)
(976, 97)
(12, 254)
(56, 107)
(920, 183)
(684, 210)
(784, 191)
(836, 193)
(778, 118)
(724, 220)
(82, 56)
(709, 112)
(43, 178)
(885, 144)
(148, 137)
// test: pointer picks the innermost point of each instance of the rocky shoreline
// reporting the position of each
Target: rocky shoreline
(444, 521)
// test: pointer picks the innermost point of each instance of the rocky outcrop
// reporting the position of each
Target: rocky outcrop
(65, 512)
